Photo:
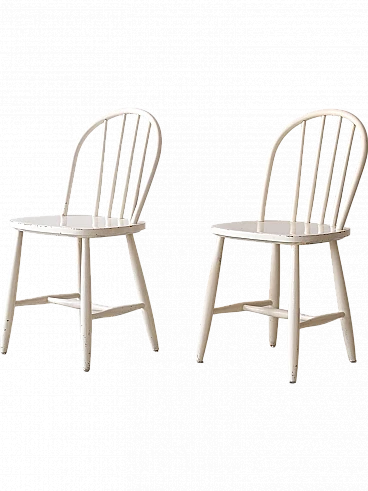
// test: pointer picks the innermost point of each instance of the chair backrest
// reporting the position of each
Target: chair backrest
(139, 196)
(356, 127)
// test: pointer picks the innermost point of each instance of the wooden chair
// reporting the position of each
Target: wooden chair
(144, 128)
(294, 234)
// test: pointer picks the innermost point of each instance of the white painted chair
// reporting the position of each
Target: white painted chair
(144, 128)
(294, 234)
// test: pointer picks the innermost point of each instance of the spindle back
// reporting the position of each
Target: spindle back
(341, 204)
(140, 188)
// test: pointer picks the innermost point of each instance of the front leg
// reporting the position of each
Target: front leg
(86, 304)
(294, 314)
(9, 314)
(210, 298)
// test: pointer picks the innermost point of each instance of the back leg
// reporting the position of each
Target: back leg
(77, 254)
(342, 301)
(142, 290)
(274, 292)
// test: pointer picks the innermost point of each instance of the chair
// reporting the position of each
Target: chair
(144, 128)
(294, 234)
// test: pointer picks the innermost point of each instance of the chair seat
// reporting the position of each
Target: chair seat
(77, 225)
(281, 232)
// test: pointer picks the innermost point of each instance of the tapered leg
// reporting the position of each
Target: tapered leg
(274, 292)
(210, 299)
(9, 314)
(86, 310)
(79, 256)
(142, 290)
(77, 252)
(294, 314)
(343, 302)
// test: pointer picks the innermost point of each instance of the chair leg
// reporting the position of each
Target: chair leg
(79, 277)
(86, 308)
(142, 290)
(210, 298)
(274, 292)
(9, 315)
(342, 301)
(77, 270)
(294, 315)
